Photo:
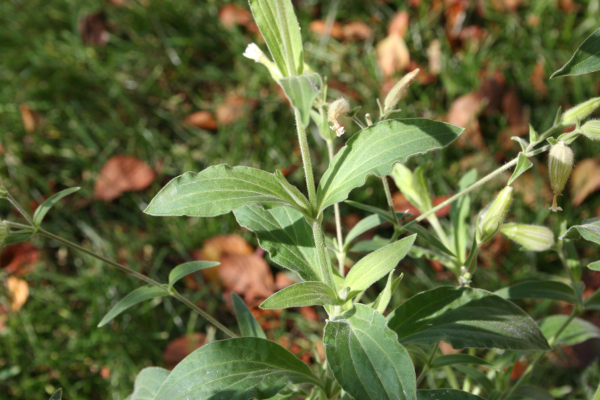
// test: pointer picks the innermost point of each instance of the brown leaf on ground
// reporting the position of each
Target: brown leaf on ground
(105, 372)
(283, 280)
(434, 55)
(566, 6)
(122, 174)
(530, 188)
(392, 55)
(180, 348)
(94, 29)
(446, 348)
(18, 259)
(231, 15)
(518, 119)
(247, 275)
(506, 5)
(319, 27)
(401, 204)
(202, 120)
(585, 180)
(355, 31)
(472, 36)
(213, 249)
(538, 79)
(309, 313)
(18, 290)
(455, 14)
(30, 118)
(232, 109)
(463, 112)
(399, 24)
(518, 370)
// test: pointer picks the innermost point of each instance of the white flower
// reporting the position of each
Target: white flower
(253, 52)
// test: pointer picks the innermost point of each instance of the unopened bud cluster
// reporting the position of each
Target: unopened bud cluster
(494, 216)
(337, 109)
(560, 165)
(591, 130)
(531, 237)
(394, 96)
(579, 112)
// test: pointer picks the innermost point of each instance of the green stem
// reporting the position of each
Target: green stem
(427, 367)
(437, 227)
(306, 161)
(326, 273)
(142, 277)
(16, 204)
(390, 201)
(531, 366)
(341, 256)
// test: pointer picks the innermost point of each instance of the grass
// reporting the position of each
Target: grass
(131, 96)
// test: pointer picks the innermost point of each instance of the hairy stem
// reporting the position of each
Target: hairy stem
(390, 201)
(338, 221)
(16, 204)
(306, 161)
(326, 273)
(142, 277)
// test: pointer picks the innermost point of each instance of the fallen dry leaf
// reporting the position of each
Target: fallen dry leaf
(247, 275)
(233, 108)
(401, 204)
(354, 31)
(29, 118)
(399, 24)
(463, 112)
(530, 189)
(472, 36)
(283, 280)
(446, 348)
(105, 372)
(319, 27)
(94, 29)
(585, 180)
(506, 5)
(231, 15)
(19, 292)
(215, 248)
(434, 54)
(202, 120)
(518, 370)
(392, 55)
(566, 6)
(455, 14)
(180, 348)
(538, 79)
(18, 259)
(121, 174)
(309, 313)
(513, 110)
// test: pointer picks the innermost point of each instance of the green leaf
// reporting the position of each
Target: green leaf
(42, 210)
(589, 230)
(236, 369)
(446, 394)
(137, 296)
(363, 225)
(302, 91)
(376, 149)
(530, 392)
(413, 186)
(220, 189)
(366, 358)
(576, 332)
(523, 164)
(585, 60)
(452, 359)
(249, 326)
(382, 301)
(597, 395)
(459, 212)
(57, 395)
(595, 266)
(189, 268)
(593, 302)
(539, 290)
(477, 376)
(17, 237)
(522, 142)
(300, 295)
(465, 317)
(378, 264)
(148, 382)
(284, 233)
(367, 246)
(430, 238)
(320, 119)
(279, 26)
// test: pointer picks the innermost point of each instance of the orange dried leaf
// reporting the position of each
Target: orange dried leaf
(392, 55)
(213, 250)
(247, 275)
(585, 180)
(356, 31)
(399, 24)
(19, 292)
(121, 174)
(231, 15)
(28, 117)
(18, 259)
(319, 27)
(202, 119)
(231, 109)
(180, 348)
(538, 79)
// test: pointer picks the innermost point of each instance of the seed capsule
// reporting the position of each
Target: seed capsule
(579, 112)
(560, 165)
(495, 214)
(591, 130)
(532, 237)
(337, 109)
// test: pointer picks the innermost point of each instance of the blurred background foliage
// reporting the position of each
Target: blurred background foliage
(84, 81)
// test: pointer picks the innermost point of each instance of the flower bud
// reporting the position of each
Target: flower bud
(493, 217)
(254, 52)
(531, 237)
(394, 96)
(579, 112)
(591, 130)
(560, 165)
(336, 109)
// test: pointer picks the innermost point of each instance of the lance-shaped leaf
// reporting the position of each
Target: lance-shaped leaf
(300, 295)
(589, 230)
(530, 392)
(249, 326)
(301, 91)
(220, 189)
(523, 164)
(363, 225)
(453, 359)
(137, 296)
(585, 60)
(539, 290)
(374, 150)
(382, 301)
(188, 268)
(236, 369)
(57, 395)
(279, 26)
(148, 382)
(576, 332)
(446, 394)
(366, 358)
(465, 317)
(42, 210)
(285, 234)
(376, 265)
